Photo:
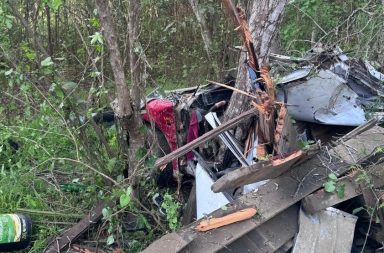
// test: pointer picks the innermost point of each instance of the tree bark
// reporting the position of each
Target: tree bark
(264, 22)
(127, 108)
(205, 34)
(49, 29)
(137, 66)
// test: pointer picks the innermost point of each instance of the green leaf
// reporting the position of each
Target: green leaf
(340, 189)
(47, 62)
(124, 200)
(120, 178)
(330, 186)
(129, 191)
(332, 176)
(9, 21)
(97, 37)
(69, 85)
(141, 152)
(357, 210)
(110, 240)
(111, 164)
(94, 22)
(106, 212)
(150, 162)
(60, 94)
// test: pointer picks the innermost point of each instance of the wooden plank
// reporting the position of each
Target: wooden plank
(274, 197)
(330, 230)
(65, 239)
(204, 138)
(358, 148)
(322, 199)
(270, 236)
(169, 243)
(259, 171)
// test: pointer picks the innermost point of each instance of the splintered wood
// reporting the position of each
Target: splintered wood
(213, 223)
(269, 132)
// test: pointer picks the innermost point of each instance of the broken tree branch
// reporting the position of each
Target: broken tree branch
(65, 239)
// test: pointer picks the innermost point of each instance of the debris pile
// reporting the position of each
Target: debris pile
(307, 178)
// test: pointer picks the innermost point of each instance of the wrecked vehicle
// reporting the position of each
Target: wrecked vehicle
(177, 118)
(333, 90)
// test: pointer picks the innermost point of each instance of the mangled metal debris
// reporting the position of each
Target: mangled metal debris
(337, 91)
(325, 99)
(206, 200)
(330, 230)
(284, 191)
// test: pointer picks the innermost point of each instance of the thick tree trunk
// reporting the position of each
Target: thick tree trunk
(128, 103)
(264, 22)
(137, 82)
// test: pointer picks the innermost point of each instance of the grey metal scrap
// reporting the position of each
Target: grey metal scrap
(329, 230)
(324, 98)
(341, 92)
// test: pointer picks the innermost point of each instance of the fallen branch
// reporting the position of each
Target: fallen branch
(65, 239)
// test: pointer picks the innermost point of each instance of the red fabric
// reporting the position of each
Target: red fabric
(160, 111)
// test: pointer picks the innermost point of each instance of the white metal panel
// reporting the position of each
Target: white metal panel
(206, 200)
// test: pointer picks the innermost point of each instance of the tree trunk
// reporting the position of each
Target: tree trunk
(205, 34)
(137, 66)
(264, 22)
(127, 108)
(49, 29)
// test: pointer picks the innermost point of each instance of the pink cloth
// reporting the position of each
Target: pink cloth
(193, 132)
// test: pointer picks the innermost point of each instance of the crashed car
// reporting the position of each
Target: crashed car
(177, 118)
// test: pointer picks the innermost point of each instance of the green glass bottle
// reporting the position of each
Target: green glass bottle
(15, 232)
